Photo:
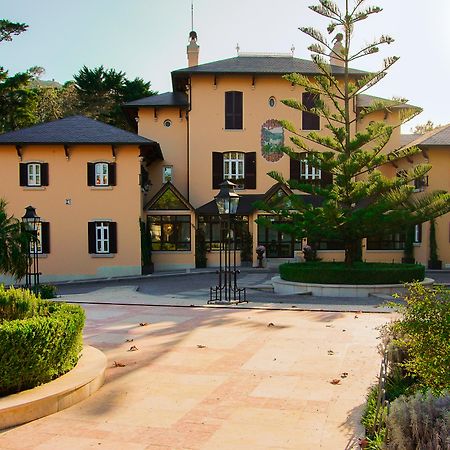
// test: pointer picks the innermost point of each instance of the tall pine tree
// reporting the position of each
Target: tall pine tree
(361, 201)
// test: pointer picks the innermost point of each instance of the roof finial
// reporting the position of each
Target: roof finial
(192, 14)
(292, 50)
(237, 48)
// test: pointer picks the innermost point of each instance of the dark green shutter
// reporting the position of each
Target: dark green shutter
(112, 237)
(45, 237)
(250, 170)
(217, 169)
(44, 174)
(112, 174)
(23, 174)
(91, 174)
(91, 238)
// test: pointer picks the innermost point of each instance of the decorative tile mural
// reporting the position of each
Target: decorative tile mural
(272, 140)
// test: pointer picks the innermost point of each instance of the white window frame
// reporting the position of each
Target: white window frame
(34, 174)
(101, 174)
(102, 237)
(308, 172)
(36, 245)
(417, 234)
(234, 167)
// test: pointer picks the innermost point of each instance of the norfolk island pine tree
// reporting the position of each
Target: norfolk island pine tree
(361, 202)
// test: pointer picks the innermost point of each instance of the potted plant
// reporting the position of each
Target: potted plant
(434, 263)
(408, 251)
(260, 251)
(146, 249)
(200, 249)
(246, 248)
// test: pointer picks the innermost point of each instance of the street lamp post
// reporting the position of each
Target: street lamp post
(227, 291)
(31, 221)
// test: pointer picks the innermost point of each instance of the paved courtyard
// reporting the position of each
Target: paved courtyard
(216, 378)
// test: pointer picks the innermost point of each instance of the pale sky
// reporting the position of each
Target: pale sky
(148, 38)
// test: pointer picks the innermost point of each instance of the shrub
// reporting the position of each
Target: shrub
(200, 249)
(46, 291)
(423, 332)
(16, 304)
(420, 422)
(357, 273)
(36, 348)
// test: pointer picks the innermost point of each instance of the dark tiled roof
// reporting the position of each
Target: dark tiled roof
(440, 137)
(260, 64)
(406, 139)
(166, 99)
(364, 100)
(73, 130)
(245, 205)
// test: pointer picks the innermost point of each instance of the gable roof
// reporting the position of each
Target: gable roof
(405, 139)
(438, 137)
(165, 188)
(260, 64)
(365, 100)
(165, 99)
(74, 130)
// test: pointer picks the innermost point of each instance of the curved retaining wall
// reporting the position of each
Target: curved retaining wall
(338, 290)
(73, 387)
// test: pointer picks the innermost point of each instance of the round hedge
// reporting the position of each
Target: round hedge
(358, 273)
(42, 344)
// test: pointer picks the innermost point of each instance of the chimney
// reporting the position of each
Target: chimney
(193, 49)
(338, 51)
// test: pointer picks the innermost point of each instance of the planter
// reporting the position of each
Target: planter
(148, 269)
(435, 265)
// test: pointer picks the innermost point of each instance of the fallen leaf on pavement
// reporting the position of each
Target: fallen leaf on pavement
(344, 374)
(330, 352)
(201, 346)
(129, 340)
(335, 381)
(118, 364)
(133, 348)
(143, 324)
(271, 324)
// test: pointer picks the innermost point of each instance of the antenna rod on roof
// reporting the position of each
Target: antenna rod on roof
(192, 15)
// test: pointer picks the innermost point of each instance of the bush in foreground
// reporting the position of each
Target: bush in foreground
(39, 340)
(358, 273)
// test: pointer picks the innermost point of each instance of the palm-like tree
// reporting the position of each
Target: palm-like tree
(14, 244)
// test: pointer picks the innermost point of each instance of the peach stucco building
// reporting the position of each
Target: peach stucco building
(91, 182)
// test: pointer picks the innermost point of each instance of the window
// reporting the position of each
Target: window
(236, 166)
(101, 174)
(418, 233)
(233, 110)
(41, 243)
(233, 168)
(167, 123)
(393, 241)
(310, 121)
(167, 173)
(278, 244)
(214, 229)
(421, 183)
(307, 172)
(102, 237)
(33, 174)
(170, 233)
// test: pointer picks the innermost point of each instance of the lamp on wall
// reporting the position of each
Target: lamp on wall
(227, 291)
(31, 221)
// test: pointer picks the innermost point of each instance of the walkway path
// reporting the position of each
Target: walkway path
(217, 378)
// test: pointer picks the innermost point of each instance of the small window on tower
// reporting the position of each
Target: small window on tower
(272, 102)
(167, 173)
(167, 123)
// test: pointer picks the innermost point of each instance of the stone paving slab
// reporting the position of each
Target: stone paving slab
(217, 378)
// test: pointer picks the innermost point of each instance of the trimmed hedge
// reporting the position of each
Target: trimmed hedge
(42, 344)
(358, 273)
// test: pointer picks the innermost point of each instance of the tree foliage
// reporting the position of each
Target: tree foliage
(101, 92)
(14, 244)
(361, 201)
(424, 127)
